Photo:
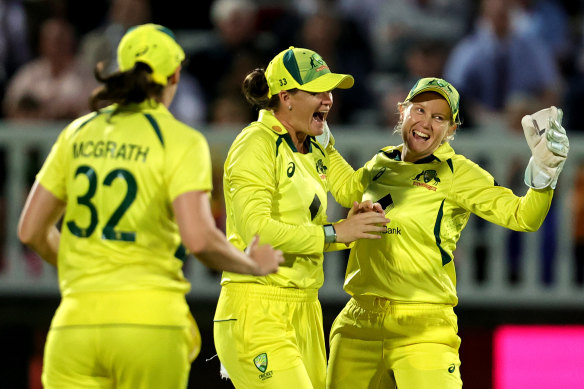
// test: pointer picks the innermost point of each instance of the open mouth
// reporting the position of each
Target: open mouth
(320, 116)
(420, 135)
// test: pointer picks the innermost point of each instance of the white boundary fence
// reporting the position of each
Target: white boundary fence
(482, 257)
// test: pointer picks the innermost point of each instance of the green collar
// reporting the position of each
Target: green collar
(442, 153)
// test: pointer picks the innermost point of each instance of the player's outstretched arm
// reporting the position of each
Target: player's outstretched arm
(37, 227)
(549, 146)
(201, 236)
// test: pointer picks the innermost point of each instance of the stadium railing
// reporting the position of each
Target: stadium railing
(494, 266)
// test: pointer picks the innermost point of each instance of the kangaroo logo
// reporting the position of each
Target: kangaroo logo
(427, 176)
(320, 167)
(316, 60)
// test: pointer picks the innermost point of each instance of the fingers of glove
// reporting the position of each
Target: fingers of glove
(558, 146)
(556, 123)
(557, 139)
(560, 116)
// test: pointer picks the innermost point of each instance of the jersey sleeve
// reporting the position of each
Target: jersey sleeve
(251, 175)
(476, 190)
(52, 175)
(346, 184)
(189, 167)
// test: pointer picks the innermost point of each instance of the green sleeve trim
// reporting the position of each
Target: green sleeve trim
(445, 257)
(96, 114)
(450, 165)
(155, 126)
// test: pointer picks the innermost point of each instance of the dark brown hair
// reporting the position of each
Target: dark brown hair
(255, 89)
(132, 86)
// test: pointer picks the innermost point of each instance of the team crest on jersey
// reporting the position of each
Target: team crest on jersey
(427, 179)
(261, 362)
(321, 168)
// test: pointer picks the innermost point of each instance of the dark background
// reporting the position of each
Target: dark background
(25, 320)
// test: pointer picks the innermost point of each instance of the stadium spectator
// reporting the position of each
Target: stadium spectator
(339, 40)
(497, 64)
(548, 22)
(15, 48)
(131, 184)
(394, 24)
(276, 181)
(100, 44)
(235, 44)
(399, 328)
(55, 85)
(423, 58)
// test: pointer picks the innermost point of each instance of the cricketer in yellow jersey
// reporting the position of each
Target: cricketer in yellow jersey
(269, 330)
(399, 328)
(131, 183)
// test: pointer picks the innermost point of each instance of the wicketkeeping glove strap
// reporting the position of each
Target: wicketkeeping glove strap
(549, 146)
(538, 177)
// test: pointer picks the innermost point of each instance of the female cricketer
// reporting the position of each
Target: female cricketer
(131, 185)
(269, 329)
(399, 328)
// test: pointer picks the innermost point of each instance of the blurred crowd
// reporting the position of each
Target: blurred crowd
(506, 57)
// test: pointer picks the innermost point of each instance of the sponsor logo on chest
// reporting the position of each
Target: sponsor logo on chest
(426, 179)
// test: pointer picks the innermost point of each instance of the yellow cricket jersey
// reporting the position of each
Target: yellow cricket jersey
(119, 171)
(429, 203)
(273, 190)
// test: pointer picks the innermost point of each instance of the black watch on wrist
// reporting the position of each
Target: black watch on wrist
(330, 235)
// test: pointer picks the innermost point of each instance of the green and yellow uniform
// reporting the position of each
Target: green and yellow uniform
(268, 330)
(120, 256)
(399, 325)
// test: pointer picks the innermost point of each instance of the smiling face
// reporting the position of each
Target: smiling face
(426, 124)
(308, 113)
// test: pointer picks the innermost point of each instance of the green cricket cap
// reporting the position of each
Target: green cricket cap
(438, 85)
(303, 69)
(154, 45)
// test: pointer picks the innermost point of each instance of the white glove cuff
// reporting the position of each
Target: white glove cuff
(537, 177)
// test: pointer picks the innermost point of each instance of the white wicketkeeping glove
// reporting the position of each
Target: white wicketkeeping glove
(549, 146)
(326, 137)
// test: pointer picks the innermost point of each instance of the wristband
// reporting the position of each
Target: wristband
(330, 234)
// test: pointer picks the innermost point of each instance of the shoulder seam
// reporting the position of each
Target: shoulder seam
(155, 126)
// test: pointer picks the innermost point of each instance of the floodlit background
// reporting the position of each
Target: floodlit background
(521, 311)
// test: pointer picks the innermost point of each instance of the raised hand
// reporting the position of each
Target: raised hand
(549, 146)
